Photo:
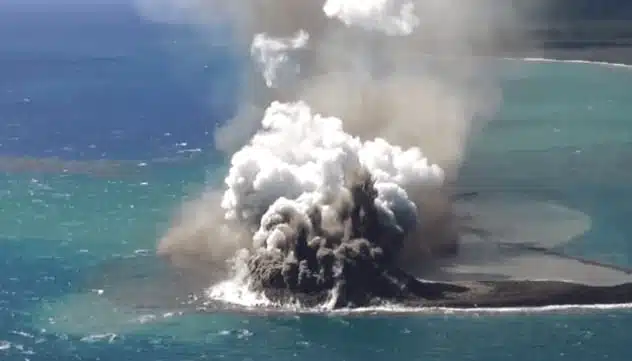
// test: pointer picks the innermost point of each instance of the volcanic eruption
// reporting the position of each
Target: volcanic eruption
(355, 119)
(327, 207)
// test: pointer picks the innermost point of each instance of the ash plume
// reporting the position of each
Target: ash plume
(432, 87)
(329, 189)
(363, 72)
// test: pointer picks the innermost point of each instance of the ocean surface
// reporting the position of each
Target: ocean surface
(87, 82)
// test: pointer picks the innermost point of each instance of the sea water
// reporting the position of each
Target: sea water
(83, 85)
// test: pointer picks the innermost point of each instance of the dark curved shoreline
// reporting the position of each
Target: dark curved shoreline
(486, 294)
(594, 52)
(580, 37)
(153, 284)
(597, 40)
(502, 294)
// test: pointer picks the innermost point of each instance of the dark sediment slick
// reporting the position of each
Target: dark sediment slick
(34, 165)
(551, 252)
(101, 168)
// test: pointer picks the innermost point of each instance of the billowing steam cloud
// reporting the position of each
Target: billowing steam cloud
(391, 17)
(317, 203)
(428, 87)
(272, 54)
(322, 199)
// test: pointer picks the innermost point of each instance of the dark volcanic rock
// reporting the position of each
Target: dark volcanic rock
(360, 267)
(147, 284)
(355, 259)
(489, 294)
(537, 294)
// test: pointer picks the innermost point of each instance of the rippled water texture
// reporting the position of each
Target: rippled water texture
(77, 236)
(72, 240)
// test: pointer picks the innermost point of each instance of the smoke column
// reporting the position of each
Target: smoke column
(355, 113)
(356, 67)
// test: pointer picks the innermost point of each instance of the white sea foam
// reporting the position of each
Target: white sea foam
(5, 345)
(236, 290)
(395, 309)
(571, 61)
(94, 338)
(271, 54)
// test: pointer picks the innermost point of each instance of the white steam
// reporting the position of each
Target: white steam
(272, 54)
(431, 87)
(394, 17)
(300, 159)
(381, 72)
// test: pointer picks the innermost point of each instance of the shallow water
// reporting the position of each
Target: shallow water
(563, 136)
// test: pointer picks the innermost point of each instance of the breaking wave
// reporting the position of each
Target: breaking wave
(572, 61)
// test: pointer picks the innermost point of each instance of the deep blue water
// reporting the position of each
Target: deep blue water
(92, 80)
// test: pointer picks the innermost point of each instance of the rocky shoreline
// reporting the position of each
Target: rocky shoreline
(499, 294)
(482, 294)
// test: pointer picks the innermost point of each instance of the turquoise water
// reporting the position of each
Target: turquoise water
(57, 229)
(564, 133)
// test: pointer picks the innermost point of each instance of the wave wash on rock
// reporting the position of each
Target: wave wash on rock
(329, 207)
(317, 204)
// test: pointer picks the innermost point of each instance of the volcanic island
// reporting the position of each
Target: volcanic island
(363, 270)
